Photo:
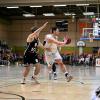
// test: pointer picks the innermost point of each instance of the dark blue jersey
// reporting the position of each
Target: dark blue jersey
(32, 47)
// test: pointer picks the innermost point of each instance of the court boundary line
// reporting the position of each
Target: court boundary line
(23, 98)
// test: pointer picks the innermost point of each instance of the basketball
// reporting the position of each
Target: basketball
(68, 41)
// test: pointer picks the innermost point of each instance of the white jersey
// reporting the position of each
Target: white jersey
(53, 54)
(53, 46)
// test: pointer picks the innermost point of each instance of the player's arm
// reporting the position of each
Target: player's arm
(44, 42)
(52, 40)
(36, 33)
(41, 45)
(40, 29)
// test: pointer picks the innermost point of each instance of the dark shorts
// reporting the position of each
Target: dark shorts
(30, 58)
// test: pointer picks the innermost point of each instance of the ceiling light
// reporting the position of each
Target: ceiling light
(28, 15)
(59, 5)
(97, 18)
(69, 14)
(36, 6)
(12, 7)
(73, 14)
(49, 14)
(82, 4)
(88, 13)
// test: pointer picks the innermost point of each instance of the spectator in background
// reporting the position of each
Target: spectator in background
(99, 52)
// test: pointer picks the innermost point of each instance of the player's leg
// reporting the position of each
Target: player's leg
(36, 72)
(25, 73)
(49, 60)
(54, 71)
(27, 61)
(64, 70)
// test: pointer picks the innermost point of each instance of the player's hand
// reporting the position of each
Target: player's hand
(67, 40)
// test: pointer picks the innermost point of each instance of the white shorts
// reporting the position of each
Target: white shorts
(51, 57)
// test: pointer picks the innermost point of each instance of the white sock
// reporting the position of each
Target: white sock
(24, 78)
(54, 73)
(66, 73)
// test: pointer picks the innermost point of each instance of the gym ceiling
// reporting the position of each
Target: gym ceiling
(70, 9)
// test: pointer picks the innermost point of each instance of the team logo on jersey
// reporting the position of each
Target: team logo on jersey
(33, 49)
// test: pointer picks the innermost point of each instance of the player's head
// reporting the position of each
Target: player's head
(33, 29)
(55, 30)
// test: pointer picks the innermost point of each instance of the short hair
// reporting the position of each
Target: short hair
(33, 29)
(54, 29)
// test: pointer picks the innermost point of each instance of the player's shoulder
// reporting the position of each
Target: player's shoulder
(48, 35)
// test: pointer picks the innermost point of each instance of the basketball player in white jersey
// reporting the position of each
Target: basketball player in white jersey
(53, 55)
(31, 53)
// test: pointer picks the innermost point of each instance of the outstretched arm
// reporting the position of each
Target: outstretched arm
(60, 43)
(36, 33)
(41, 28)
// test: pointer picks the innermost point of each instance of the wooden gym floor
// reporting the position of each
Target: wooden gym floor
(82, 87)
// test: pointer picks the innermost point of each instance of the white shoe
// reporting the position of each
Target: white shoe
(23, 81)
(35, 80)
(55, 76)
(69, 78)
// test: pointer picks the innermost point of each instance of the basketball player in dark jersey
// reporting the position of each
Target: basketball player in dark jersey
(31, 53)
